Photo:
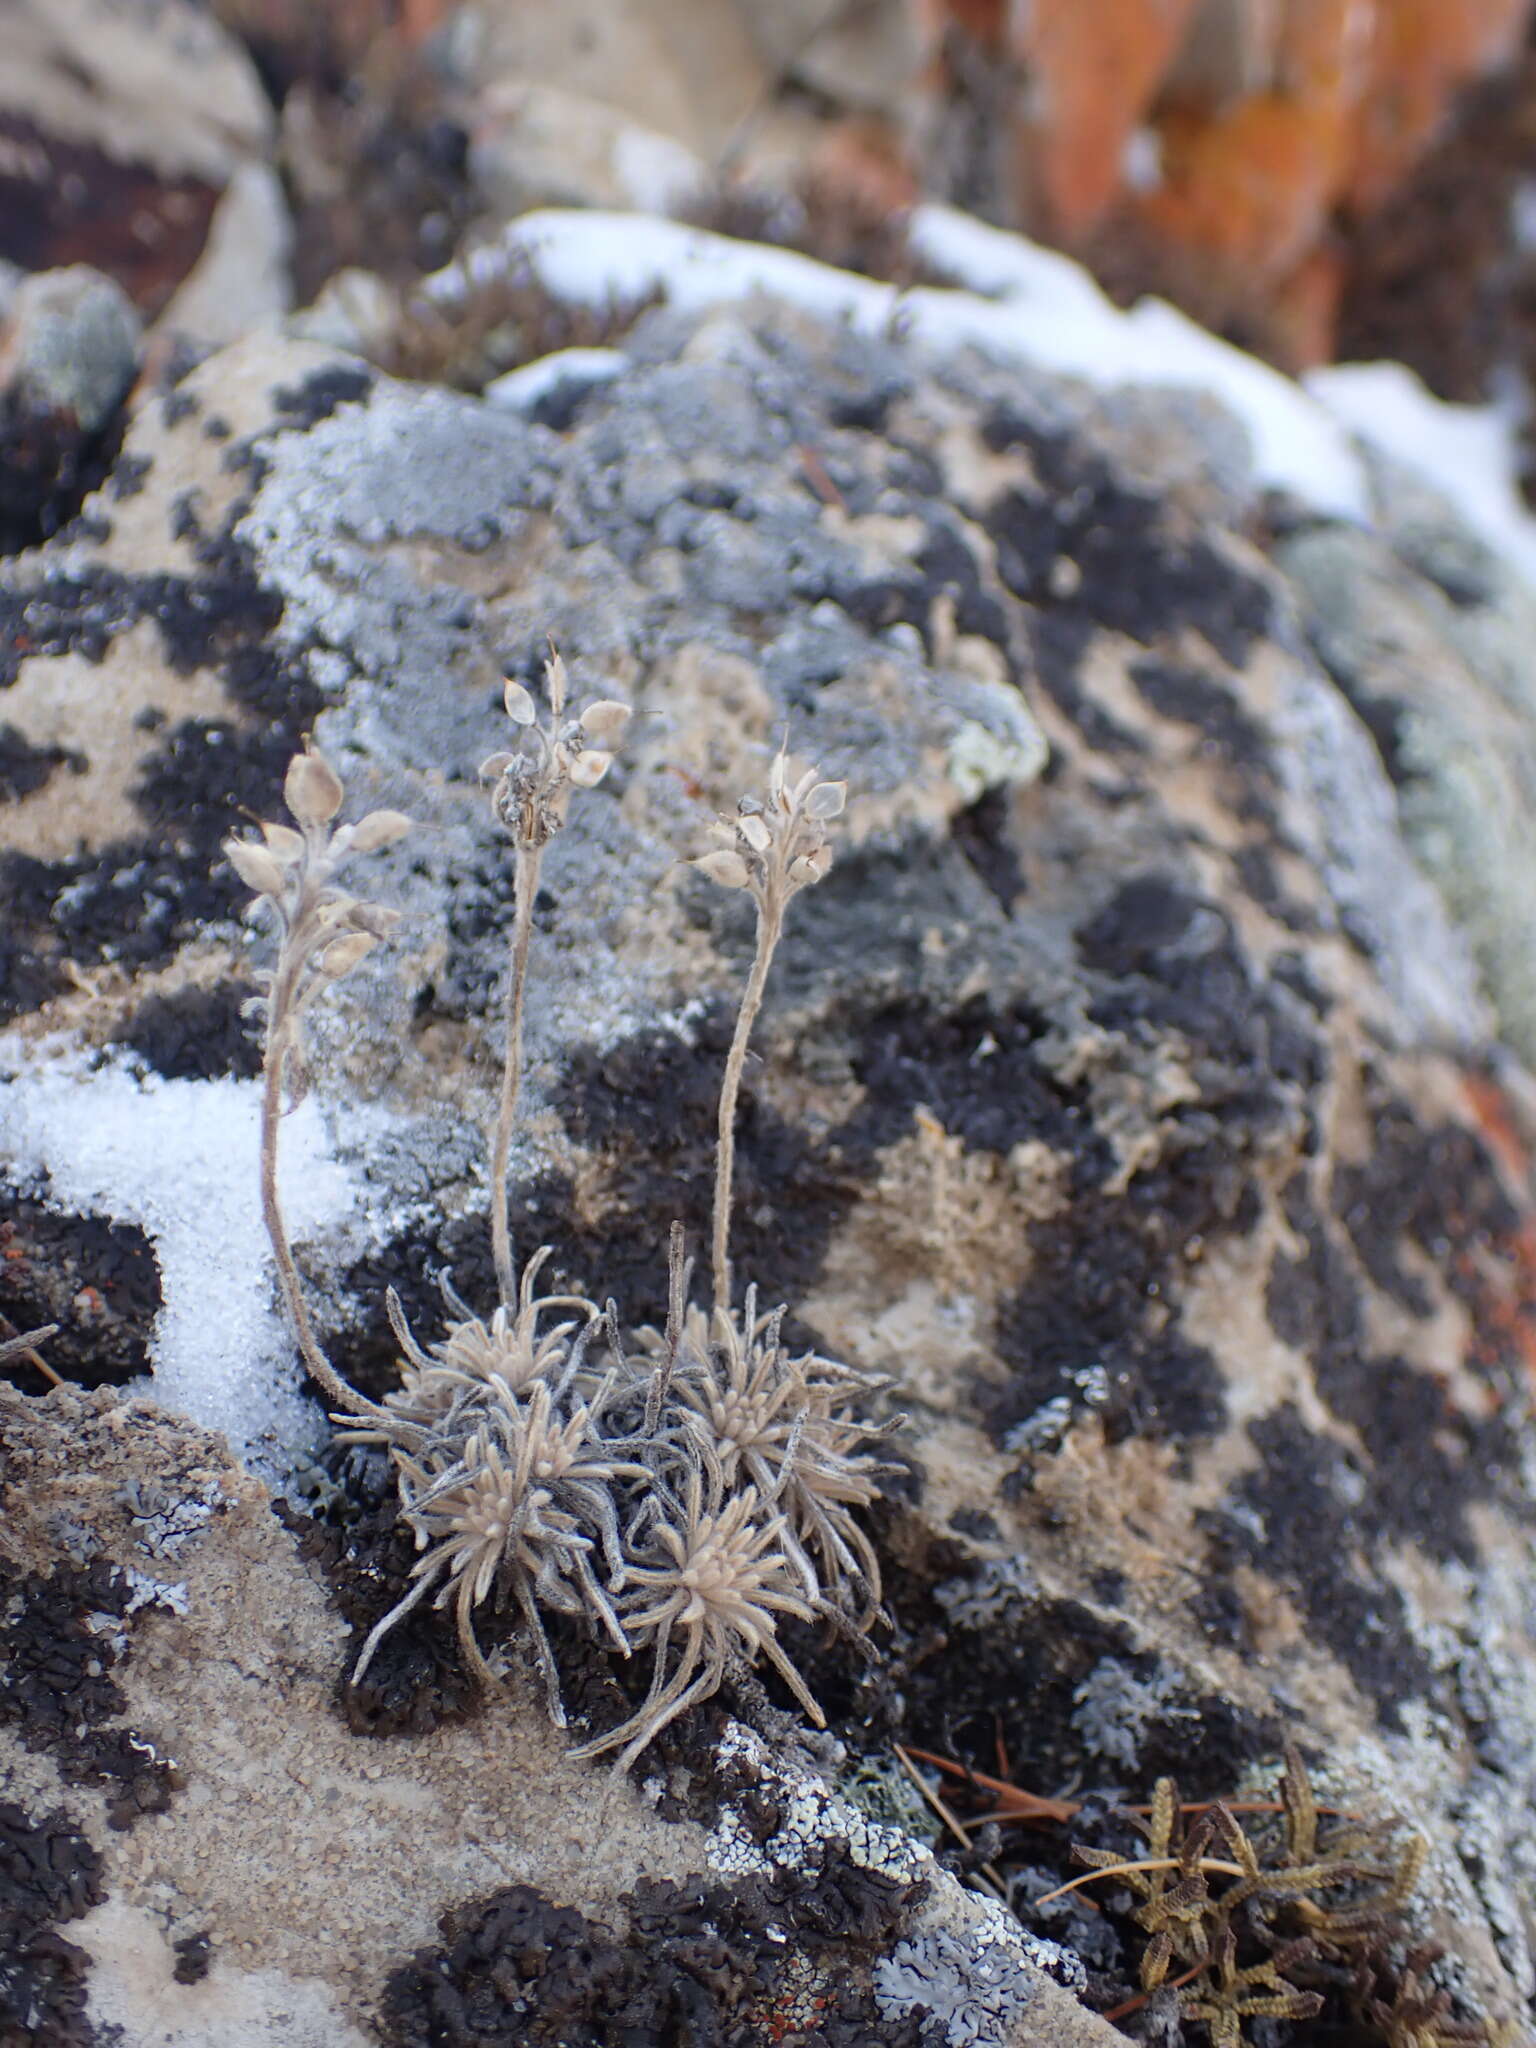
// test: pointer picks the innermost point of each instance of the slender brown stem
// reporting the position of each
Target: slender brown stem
(318, 1365)
(1135, 2004)
(24, 1348)
(527, 885)
(770, 923)
(1144, 1863)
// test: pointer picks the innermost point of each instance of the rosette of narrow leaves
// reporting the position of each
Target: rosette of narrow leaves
(510, 1350)
(714, 1580)
(512, 1495)
(783, 1425)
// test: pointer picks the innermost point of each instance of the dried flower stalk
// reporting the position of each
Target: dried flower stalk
(533, 783)
(773, 851)
(323, 933)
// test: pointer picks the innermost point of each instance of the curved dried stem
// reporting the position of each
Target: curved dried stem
(323, 933)
(528, 862)
(316, 1364)
(770, 925)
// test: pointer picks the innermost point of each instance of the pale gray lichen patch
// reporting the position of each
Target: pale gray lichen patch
(994, 1593)
(970, 1990)
(810, 1816)
(1114, 1709)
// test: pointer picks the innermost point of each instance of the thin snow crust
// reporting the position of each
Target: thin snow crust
(1023, 302)
(178, 1159)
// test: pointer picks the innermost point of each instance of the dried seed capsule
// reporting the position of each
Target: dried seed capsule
(312, 788)
(728, 869)
(378, 830)
(587, 769)
(343, 954)
(284, 841)
(826, 800)
(605, 721)
(256, 867)
(519, 703)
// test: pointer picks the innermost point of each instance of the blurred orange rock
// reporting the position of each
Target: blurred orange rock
(1269, 118)
(1422, 52)
(1252, 186)
(1093, 72)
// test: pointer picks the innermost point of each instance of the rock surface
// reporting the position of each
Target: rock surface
(1137, 1105)
(123, 121)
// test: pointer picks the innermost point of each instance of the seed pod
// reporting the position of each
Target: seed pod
(754, 830)
(810, 867)
(826, 800)
(588, 768)
(604, 722)
(284, 841)
(343, 954)
(378, 830)
(519, 702)
(256, 867)
(312, 788)
(728, 869)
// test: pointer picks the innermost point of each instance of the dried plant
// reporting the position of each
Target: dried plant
(1305, 1909)
(681, 1498)
(323, 933)
(532, 785)
(781, 1424)
(511, 1499)
(510, 1349)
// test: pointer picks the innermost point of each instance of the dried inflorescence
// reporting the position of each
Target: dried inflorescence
(681, 1496)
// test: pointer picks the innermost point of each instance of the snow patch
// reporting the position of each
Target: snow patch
(1038, 307)
(1466, 451)
(179, 1160)
(525, 388)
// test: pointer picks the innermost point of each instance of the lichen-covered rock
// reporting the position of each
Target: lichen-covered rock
(1428, 635)
(1126, 1090)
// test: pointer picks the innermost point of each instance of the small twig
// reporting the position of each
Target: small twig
(1032, 1806)
(934, 1800)
(1035, 1806)
(23, 1348)
(1130, 2005)
(1202, 1863)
